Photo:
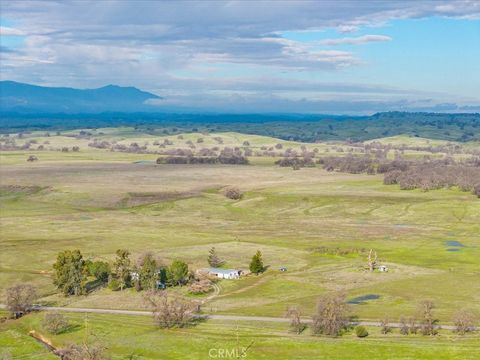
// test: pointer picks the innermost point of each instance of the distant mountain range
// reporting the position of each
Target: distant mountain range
(26, 98)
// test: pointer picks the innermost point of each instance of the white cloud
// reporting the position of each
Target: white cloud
(8, 31)
(356, 40)
(90, 43)
(347, 28)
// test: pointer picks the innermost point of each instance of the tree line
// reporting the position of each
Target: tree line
(425, 174)
(333, 317)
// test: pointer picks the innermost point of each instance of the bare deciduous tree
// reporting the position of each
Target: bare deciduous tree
(464, 321)
(170, 310)
(84, 352)
(20, 299)
(425, 310)
(385, 326)
(413, 327)
(331, 316)
(372, 260)
(296, 324)
(403, 326)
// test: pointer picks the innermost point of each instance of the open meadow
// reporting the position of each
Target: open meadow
(98, 201)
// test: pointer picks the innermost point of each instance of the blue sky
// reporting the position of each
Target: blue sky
(430, 54)
(343, 57)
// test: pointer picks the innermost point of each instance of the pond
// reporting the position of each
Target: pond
(145, 162)
(454, 243)
(362, 299)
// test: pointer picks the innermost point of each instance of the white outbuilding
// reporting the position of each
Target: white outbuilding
(225, 273)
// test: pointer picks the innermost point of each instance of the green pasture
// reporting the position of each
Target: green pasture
(128, 337)
(99, 201)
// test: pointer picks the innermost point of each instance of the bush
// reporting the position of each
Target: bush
(99, 269)
(84, 351)
(203, 286)
(233, 193)
(113, 284)
(361, 331)
(55, 323)
(476, 190)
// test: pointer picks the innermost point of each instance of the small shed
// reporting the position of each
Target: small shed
(383, 268)
(225, 273)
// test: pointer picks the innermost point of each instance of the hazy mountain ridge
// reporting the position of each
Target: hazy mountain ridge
(29, 107)
(26, 98)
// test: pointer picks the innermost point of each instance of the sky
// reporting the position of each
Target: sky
(336, 57)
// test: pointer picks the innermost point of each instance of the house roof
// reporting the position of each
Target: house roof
(223, 271)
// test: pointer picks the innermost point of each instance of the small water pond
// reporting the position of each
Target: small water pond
(144, 162)
(363, 299)
(454, 243)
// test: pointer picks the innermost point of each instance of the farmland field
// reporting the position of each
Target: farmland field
(98, 201)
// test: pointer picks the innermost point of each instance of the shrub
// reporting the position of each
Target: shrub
(200, 287)
(233, 193)
(84, 351)
(113, 284)
(99, 269)
(476, 190)
(55, 323)
(361, 331)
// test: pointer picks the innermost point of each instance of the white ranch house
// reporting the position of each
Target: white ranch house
(225, 273)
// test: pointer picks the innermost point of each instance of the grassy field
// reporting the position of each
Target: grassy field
(98, 201)
(136, 338)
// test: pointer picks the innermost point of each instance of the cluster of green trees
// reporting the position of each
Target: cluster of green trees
(73, 275)
(256, 264)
